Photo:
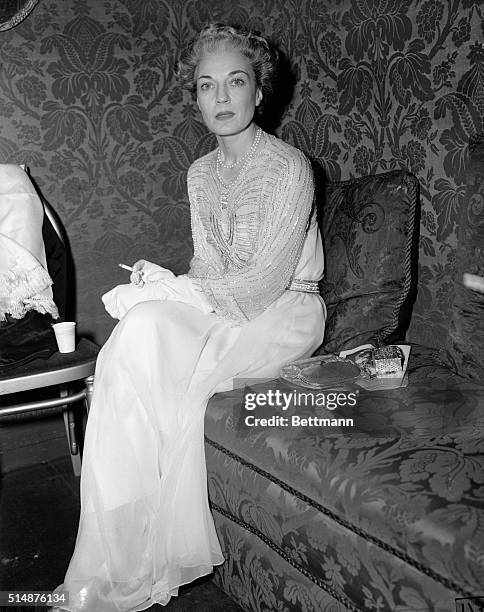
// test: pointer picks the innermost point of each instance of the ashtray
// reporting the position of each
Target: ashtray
(322, 372)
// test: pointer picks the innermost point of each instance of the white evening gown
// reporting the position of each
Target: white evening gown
(145, 527)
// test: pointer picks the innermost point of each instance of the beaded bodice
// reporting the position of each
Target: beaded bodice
(231, 231)
(246, 251)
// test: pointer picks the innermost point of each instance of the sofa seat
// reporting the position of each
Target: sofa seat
(385, 515)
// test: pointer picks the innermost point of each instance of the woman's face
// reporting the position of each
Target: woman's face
(227, 93)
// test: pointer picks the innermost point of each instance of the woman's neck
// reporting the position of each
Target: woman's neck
(235, 146)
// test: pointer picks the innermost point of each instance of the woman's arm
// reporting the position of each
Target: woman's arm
(244, 293)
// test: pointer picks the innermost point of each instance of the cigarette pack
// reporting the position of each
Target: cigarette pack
(388, 360)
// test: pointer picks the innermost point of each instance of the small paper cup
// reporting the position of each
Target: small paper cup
(65, 334)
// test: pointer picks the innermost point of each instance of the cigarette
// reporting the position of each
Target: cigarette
(125, 267)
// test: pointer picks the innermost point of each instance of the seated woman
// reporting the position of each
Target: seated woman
(248, 306)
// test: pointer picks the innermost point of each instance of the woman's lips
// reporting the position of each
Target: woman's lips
(224, 115)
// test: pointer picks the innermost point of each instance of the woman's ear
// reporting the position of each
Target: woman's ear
(258, 97)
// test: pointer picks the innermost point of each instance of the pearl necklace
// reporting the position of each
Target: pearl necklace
(224, 192)
(244, 157)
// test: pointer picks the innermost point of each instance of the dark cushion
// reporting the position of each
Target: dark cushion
(464, 349)
(26, 339)
(370, 234)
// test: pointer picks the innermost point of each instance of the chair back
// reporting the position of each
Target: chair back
(57, 258)
(53, 220)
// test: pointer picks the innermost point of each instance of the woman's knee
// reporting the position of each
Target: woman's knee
(146, 316)
(142, 318)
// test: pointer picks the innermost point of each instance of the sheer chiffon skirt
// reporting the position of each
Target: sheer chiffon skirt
(145, 526)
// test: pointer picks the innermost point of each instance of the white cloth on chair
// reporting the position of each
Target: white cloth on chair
(25, 283)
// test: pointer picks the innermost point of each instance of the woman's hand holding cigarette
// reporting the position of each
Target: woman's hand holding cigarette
(152, 282)
(147, 272)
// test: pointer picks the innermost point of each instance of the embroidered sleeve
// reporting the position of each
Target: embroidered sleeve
(198, 267)
(201, 264)
(242, 293)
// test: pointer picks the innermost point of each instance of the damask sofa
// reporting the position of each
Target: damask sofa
(387, 515)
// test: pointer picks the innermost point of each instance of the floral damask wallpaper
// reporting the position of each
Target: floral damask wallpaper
(88, 100)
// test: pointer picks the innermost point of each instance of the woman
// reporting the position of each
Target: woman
(248, 305)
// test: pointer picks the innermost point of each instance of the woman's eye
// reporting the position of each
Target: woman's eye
(238, 82)
(205, 86)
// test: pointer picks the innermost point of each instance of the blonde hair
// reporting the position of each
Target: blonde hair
(263, 59)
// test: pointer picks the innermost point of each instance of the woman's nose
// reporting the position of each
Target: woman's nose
(222, 94)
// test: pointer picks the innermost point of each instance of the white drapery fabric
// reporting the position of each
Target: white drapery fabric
(25, 283)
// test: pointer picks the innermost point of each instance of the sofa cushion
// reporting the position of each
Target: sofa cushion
(464, 349)
(393, 503)
(370, 234)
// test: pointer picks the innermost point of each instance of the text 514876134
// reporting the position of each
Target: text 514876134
(33, 598)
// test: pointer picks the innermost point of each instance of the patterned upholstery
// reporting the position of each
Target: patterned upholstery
(386, 515)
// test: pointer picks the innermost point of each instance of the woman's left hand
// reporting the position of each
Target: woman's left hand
(148, 272)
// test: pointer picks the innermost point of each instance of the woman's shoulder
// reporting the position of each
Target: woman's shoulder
(202, 163)
(280, 152)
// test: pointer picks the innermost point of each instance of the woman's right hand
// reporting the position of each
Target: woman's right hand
(148, 272)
